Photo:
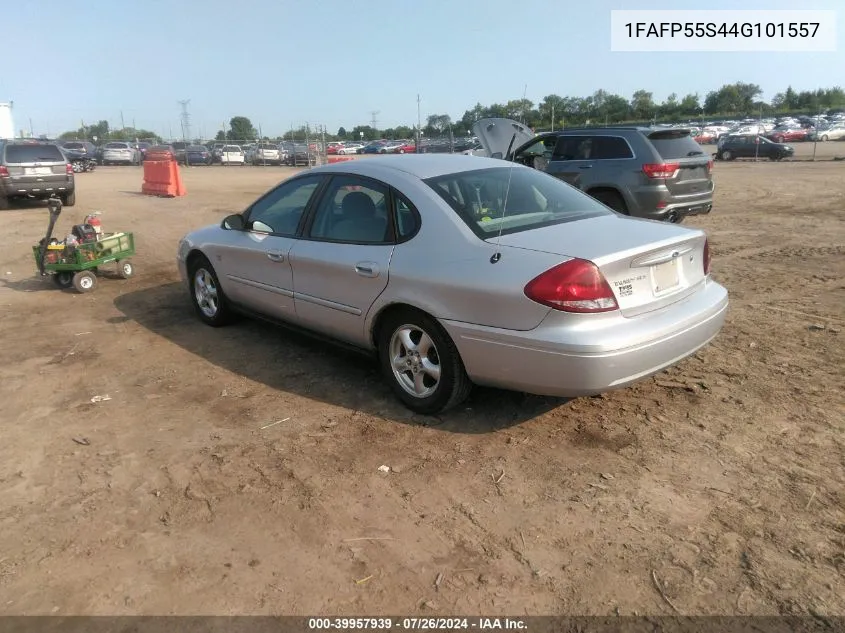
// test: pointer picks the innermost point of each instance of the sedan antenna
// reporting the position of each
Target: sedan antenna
(497, 255)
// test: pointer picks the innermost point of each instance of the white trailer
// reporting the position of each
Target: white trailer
(7, 124)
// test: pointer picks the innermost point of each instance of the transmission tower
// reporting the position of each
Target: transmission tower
(186, 120)
(374, 120)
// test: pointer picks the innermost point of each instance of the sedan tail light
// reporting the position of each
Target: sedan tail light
(574, 286)
(709, 166)
(706, 258)
(68, 168)
(4, 171)
(661, 170)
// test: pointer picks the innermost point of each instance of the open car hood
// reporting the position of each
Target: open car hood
(496, 135)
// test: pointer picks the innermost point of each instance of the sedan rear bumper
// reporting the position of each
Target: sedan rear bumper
(581, 355)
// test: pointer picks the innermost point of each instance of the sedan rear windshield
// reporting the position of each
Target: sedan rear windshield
(266, 146)
(231, 148)
(116, 146)
(197, 148)
(675, 144)
(34, 154)
(509, 200)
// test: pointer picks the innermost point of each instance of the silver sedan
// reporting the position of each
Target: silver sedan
(460, 270)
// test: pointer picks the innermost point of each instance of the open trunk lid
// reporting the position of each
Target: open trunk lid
(649, 265)
(495, 135)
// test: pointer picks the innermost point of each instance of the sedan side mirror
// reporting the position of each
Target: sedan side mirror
(234, 222)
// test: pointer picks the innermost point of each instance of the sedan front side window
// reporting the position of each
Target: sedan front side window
(280, 211)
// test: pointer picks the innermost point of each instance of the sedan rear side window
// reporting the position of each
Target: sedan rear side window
(407, 218)
(353, 210)
(509, 200)
(34, 154)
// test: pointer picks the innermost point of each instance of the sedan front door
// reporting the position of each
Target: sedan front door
(253, 263)
(341, 264)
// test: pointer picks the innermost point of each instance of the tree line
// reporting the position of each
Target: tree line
(736, 100)
(100, 132)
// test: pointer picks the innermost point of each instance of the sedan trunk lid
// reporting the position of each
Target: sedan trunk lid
(648, 264)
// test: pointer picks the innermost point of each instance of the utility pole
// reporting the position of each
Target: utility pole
(31, 131)
(122, 124)
(374, 120)
(185, 118)
(553, 117)
(419, 125)
(307, 146)
(524, 93)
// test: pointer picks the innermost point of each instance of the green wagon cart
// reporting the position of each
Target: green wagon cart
(77, 266)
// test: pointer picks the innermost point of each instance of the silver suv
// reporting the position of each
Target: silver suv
(35, 169)
(655, 173)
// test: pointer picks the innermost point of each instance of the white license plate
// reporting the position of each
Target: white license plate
(664, 276)
(37, 171)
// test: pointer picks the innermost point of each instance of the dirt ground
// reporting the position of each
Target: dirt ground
(717, 487)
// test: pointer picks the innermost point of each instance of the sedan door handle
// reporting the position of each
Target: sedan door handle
(275, 256)
(367, 269)
(585, 166)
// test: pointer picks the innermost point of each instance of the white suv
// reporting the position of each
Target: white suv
(266, 154)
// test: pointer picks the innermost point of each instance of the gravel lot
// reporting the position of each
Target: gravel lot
(721, 480)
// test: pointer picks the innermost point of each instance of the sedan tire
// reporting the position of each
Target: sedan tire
(421, 363)
(206, 294)
(727, 156)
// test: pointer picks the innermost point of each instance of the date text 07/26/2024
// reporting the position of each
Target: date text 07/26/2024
(416, 624)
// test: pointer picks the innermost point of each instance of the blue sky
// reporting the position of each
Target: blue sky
(331, 62)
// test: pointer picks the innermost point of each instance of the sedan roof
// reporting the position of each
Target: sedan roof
(422, 166)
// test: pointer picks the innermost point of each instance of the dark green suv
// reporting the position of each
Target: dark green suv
(35, 169)
(751, 146)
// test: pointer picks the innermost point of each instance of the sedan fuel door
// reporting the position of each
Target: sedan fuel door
(341, 264)
(252, 261)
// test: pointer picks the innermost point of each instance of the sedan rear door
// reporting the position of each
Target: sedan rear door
(341, 264)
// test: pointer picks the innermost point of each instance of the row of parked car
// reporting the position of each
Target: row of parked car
(403, 146)
(780, 130)
(134, 153)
